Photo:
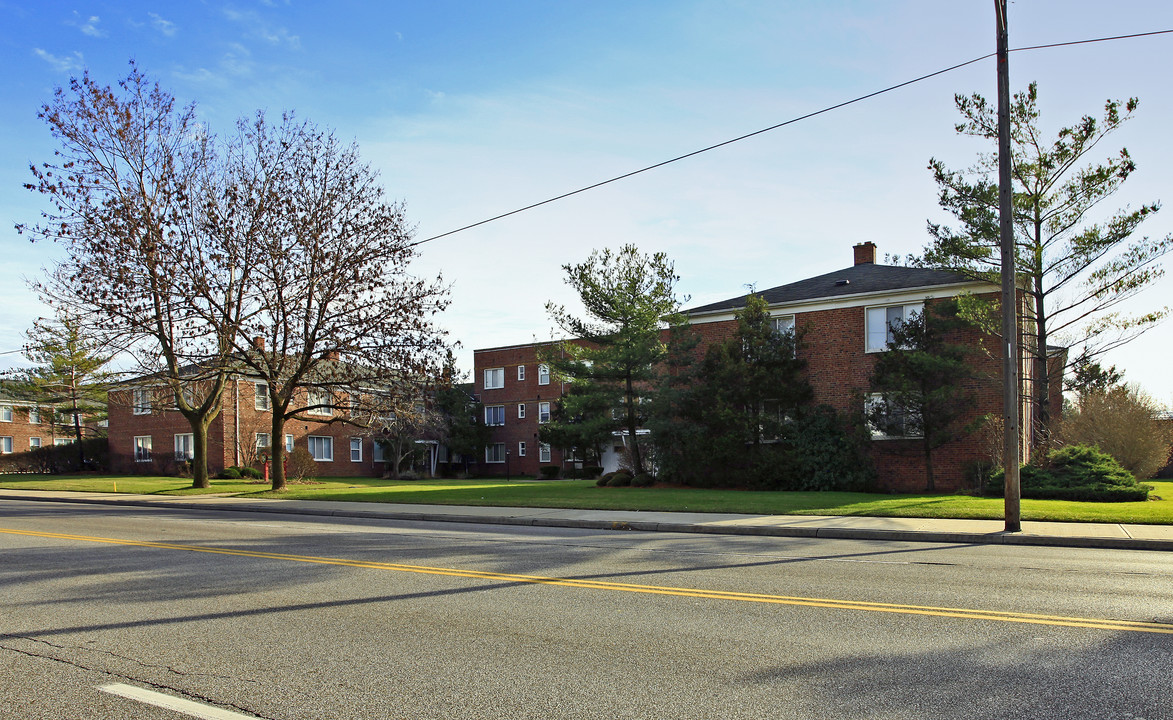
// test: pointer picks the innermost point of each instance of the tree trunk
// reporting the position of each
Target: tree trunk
(637, 464)
(199, 460)
(1041, 432)
(930, 483)
(277, 449)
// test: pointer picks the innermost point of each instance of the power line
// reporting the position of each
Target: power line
(775, 127)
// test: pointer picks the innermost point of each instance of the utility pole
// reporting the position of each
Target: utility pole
(1010, 400)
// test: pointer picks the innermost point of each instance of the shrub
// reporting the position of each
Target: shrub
(229, 473)
(642, 480)
(603, 480)
(408, 475)
(549, 472)
(620, 479)
(251, 473)
(1125, 423)
(1076, 472)
(301, 465)
(592, 471)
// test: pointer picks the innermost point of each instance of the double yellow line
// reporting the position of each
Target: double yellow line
(963, 613)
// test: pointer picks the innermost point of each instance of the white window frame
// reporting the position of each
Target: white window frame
(5, 413)
(378, 452)
(520, 448)
(356, 447)
(521, 411)
(261, 402)
(783, 323)
(321, 397)
(491, 452)
(6, 445)
(874, 315)
(64, 441)
(543, 413)
(494, 378)
(34, 415)
(543, 452)
(184, 447)
(321, 447)
(140, 400)
(877, 433)
(288, 442)
(34, 443)
(498, 413)
(264, 441)
(143, 448)
(520, 373)
(543, 374)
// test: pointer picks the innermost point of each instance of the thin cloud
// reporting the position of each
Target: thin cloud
(88, 26)
(161, 24)
(259, 28)
(62, 64)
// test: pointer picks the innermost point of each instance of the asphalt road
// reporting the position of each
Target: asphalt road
(299, 617)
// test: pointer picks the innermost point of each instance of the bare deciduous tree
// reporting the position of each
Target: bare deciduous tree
(130, 187)
(332, 316)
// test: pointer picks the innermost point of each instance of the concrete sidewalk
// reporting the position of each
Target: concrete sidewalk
(1088, 535)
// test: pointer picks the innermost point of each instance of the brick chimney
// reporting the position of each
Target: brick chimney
(865, 253)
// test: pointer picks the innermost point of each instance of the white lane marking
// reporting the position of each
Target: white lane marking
(170, 702)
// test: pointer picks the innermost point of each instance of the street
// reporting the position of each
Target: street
(284, 617)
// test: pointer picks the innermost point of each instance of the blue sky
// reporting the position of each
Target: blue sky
(472, 109)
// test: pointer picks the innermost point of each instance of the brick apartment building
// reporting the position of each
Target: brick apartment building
(844, 316)
(148, 436)
(27, 426)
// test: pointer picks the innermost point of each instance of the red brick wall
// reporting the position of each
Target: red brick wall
(20, 429)
(516, 392)
(238, 418)
(839, 370)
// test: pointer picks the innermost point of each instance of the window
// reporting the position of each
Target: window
(355, 403)
(320, 401)
(784, 323)
(494, 378)
(494, 414)
(141, 400)
(6, 414)
(896, 422)
(356, 450)
(543, 412)
(6, 445)
(142, 448)
(543, 374)
(189, 396)
(184, 447)
(34, 443)
(520, 373)
(263, 443)
(543, 452)
(521, 449)
(378, 454)
(495, 453)
(63, 441)
(321, 448)
(288, 443)
(261, 399)
(881, 320)
(35, 416)
(521, 411)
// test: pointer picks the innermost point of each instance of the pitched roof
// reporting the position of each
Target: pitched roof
(854, 280)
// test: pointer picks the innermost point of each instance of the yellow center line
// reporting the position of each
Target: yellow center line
(964, 613)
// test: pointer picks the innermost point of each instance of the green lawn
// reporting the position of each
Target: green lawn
(583, 494)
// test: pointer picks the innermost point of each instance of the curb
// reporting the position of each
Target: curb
(967, 538)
